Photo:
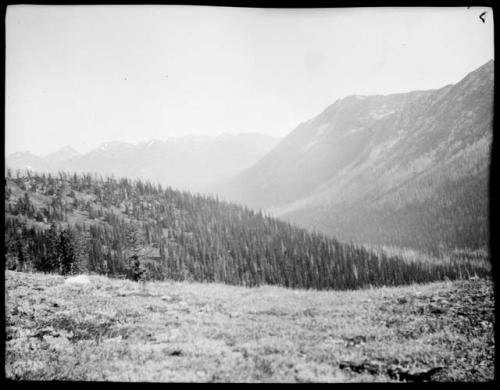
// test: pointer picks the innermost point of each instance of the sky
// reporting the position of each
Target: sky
(84, 75)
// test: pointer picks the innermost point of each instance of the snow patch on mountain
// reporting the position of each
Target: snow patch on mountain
(380, 113)
(308, 146)
(321, 129)
(377, 151)
(355, 130)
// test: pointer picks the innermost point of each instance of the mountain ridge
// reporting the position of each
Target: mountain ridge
(368, 151)
(189, 162)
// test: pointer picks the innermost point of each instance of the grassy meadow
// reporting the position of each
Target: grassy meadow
(119, 330)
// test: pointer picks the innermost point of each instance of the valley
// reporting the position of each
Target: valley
(409, 170)
(219, 194)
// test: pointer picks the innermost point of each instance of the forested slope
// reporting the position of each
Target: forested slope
(82, 223)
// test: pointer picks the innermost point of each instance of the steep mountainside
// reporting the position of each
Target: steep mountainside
(190, 162)
(405, 169)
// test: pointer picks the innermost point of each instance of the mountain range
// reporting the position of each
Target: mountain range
(406, 169)
(191, 162)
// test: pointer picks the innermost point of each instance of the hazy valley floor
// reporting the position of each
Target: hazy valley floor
(117, 330)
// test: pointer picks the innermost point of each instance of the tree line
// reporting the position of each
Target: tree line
(73, 223)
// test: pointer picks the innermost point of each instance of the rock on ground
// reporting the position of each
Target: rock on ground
(80, 279)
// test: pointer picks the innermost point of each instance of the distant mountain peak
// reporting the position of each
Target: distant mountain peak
(67, 148)
(112, 145)
(62, 154)
(191, 162)
(21, 154)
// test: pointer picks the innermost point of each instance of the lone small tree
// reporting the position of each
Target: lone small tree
(135, 243)
(136, 268)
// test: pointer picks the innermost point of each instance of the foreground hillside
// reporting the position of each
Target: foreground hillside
(118, 330)
(408, 169)
(80, 223)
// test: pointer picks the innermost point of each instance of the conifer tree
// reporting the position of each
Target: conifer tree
(67, 252)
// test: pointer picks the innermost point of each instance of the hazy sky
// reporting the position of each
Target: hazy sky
(83, 75)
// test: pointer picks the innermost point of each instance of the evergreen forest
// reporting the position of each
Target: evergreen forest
(82, 223)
